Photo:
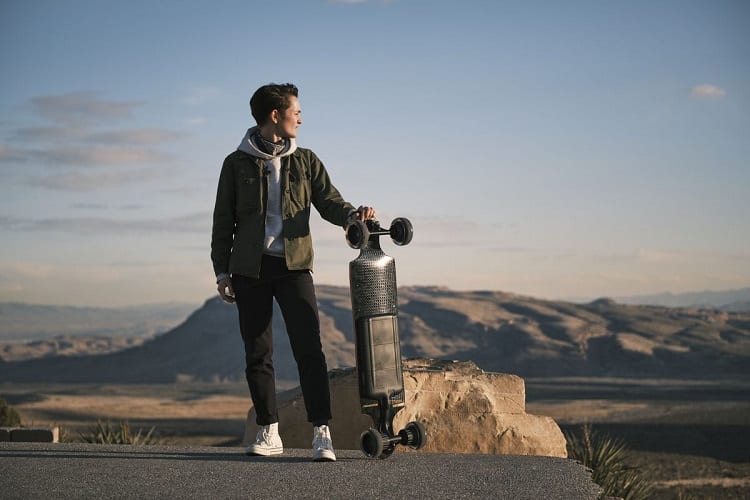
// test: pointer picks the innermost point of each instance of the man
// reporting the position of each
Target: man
(261, 248)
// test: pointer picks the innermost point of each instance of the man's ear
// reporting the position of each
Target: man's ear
(275, 116)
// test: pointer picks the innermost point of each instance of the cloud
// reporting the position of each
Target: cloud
(83, 107)
(74, 137)
(103, 206)
(137, 136)
(9, 154)
(20, 269)
(515, 250)
(707, 91)
(89, 206)
(190, 191)
(96, 156)
(200, 94)
(189, 223)
(49, 134)
(656, 256)
(143, 136)
(195, 121)
(88, 181)
(54, 147)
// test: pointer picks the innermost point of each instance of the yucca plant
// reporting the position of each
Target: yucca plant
(606, 457)
(107, 433)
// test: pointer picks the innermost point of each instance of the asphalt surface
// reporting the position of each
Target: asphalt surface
(36, 470)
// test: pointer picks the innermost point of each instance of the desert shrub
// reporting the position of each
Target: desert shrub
(8, 416)
(65, 435)
(120, 433)
(607, 458)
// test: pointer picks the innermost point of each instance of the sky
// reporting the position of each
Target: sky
(554, 149)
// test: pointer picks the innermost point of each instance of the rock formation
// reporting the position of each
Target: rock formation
(464, 409)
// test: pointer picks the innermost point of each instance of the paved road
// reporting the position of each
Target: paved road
(35, 470)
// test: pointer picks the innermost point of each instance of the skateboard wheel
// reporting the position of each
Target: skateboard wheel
(371, 443)
(357, 234)
(387, 452)
(401, 231)
(416, 435)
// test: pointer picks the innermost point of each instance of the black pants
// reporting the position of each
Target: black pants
(295, 294)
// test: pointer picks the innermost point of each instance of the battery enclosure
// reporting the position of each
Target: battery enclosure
(372, 278)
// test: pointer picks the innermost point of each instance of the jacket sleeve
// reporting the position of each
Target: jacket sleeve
(326, 198)
(222, 234)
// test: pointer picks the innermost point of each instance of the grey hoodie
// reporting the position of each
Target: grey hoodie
(274, 242)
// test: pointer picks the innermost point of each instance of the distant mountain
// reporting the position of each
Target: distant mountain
(74, 345)
(741, 306)
(499, 331)
(28, 322)
(729, 300)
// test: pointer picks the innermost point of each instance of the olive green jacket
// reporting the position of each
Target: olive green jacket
(240, 212)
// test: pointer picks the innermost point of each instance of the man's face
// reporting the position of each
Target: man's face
(289, 119)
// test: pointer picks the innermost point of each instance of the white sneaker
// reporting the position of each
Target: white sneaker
(322, 445)
(267, 442)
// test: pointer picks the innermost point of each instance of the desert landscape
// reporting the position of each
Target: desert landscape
(672, 382)
(575, 174)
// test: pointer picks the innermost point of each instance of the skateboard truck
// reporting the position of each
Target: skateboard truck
(358, 232)
(372, 279)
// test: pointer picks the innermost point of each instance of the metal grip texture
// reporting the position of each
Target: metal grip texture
(372, 277)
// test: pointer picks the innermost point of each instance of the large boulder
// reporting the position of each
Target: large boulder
(464, 409)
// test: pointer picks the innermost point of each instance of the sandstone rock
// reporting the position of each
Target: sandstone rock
(464, 409)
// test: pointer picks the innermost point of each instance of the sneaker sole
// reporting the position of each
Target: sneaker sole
(324, 457)
(264, 452)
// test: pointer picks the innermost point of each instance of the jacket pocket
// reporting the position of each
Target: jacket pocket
(299, 188)
(249, 192)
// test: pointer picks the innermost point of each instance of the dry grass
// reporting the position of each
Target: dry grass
(119, 433)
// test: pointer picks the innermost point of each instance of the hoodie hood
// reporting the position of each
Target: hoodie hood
(248, 146)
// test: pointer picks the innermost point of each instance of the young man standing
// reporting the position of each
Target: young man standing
(261, 248)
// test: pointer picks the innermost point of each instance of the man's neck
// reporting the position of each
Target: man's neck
(268, 132)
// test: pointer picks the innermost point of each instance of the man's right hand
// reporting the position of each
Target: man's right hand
(226, 291)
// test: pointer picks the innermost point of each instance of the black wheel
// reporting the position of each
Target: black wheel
(387, 452)
(357, 234)
(414, 435)
(371, 443)
(401, 231)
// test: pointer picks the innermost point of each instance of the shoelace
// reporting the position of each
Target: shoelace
(322, 441)
(263, 435)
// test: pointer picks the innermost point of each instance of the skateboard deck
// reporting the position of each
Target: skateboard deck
(372, 280)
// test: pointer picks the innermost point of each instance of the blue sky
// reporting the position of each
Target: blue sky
(575, 149)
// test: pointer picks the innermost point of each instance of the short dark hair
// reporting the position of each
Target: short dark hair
(270, 97)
